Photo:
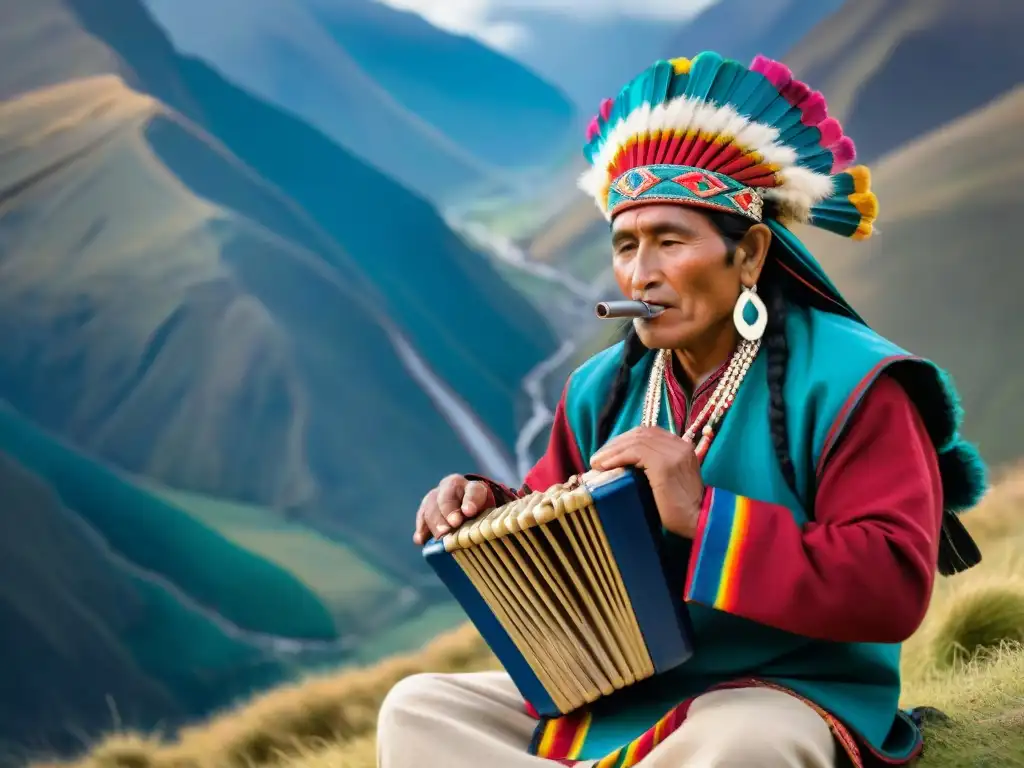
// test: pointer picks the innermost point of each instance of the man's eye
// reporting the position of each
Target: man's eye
(667, 243)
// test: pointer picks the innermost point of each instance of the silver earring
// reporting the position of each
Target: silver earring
(755, 330)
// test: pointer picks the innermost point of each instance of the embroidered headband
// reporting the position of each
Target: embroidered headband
(713, 133)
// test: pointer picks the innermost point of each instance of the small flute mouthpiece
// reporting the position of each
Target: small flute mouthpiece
(611, 310)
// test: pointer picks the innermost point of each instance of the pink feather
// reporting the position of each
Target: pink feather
(593, 129)
(814, 109)
(606, 109)
(844, 153)
(796, 93)
(777, 74)
(831, 131)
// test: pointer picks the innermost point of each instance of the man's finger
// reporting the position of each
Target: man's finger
(449, 498)
(422, 530)
(475, 498)
(435, 521)
(613, 457)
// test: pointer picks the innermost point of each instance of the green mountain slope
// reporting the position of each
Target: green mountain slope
(87, 643)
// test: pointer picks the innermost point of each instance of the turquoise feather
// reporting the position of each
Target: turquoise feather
(819, 162)
(838, 206)
(843, 185)
(679, 85)
(752, 94)
(661, 82)
(617, 110)
(836, 214)
(776, 112)
(839, 227)
(800, 136)
(791, 121)
(729, 74)
(767, 100)
(640, 91)
(703, 69)
(631, 97)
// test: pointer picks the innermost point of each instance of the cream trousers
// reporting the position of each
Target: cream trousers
(477, 720)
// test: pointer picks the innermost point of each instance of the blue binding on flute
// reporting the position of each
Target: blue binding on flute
(574, 576)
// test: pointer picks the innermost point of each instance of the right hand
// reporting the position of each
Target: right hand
(448, 506)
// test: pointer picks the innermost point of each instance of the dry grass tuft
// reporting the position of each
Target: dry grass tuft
(308, 717)
(979, 619)
(963, 660)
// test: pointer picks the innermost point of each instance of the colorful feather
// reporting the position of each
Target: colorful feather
(757, 126)
(852, 209)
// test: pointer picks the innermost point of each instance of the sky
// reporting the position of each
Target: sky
(486, 19)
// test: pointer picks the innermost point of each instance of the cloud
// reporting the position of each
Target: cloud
(483, 20)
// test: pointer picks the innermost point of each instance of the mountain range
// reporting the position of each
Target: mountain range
(441, 113)
(235, 356)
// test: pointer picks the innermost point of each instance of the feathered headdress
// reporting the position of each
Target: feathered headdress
(711, 132)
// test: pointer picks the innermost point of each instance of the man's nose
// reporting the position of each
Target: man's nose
(646, 270)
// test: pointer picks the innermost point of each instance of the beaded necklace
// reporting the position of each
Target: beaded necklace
(716, 406)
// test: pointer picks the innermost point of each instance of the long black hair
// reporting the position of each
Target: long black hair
(732, 228)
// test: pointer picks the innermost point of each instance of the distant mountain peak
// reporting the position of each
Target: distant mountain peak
(415, 101)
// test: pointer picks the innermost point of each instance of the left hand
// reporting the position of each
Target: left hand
(671, 467)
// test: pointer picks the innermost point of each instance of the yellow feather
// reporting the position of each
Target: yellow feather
(864, 231)
(861, 178)
(866, 203)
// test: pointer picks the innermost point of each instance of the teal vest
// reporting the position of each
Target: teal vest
(832, 362)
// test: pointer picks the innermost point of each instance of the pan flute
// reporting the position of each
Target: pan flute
(567, 588)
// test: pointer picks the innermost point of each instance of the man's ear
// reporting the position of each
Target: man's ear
(752, 252)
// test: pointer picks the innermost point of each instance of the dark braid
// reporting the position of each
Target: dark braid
(732, 228)
(777, 349)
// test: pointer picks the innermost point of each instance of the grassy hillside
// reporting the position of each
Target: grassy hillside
(963, 660)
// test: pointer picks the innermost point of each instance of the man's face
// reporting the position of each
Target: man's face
(672, 255)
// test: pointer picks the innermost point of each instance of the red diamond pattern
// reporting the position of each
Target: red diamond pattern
(701, 184)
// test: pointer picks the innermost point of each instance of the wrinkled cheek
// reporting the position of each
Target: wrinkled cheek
(624, 279)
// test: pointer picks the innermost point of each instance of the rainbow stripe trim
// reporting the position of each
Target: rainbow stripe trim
(562, 739)
(573, 729)
(722, 538)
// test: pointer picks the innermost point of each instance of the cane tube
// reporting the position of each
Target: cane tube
(612, 310)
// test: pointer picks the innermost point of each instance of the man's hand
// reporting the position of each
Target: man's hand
(671, 467)
(446, 507)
